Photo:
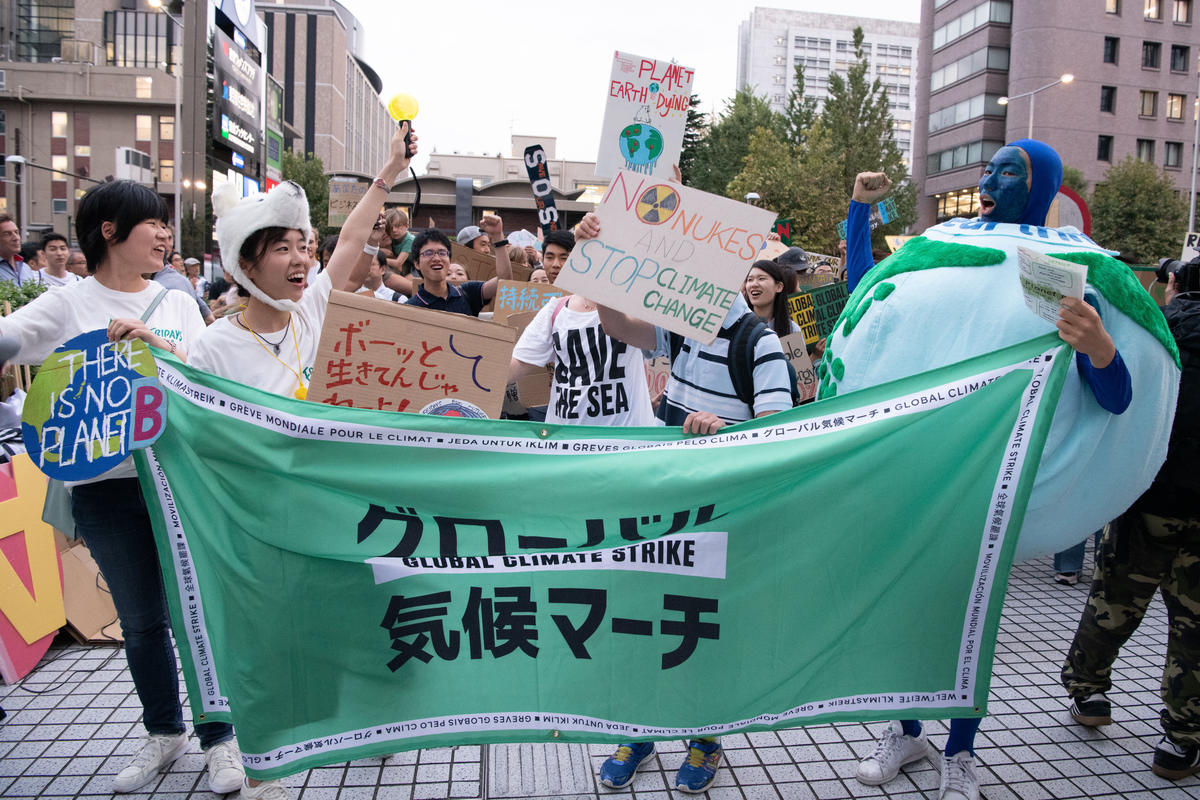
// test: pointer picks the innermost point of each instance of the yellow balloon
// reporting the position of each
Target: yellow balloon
(402, 106)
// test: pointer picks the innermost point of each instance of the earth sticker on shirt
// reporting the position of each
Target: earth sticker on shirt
(93, 402)
(452, 407)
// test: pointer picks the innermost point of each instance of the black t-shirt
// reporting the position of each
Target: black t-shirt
(466, 299)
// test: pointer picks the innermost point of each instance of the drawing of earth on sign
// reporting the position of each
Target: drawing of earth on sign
(657, 204)
(641, 145)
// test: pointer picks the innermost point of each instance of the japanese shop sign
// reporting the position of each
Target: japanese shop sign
(644, 117)
(672, 256)
(393, 357)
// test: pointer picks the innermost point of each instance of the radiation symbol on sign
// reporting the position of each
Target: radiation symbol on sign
(657, 204)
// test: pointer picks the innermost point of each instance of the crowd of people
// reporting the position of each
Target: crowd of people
(260, 324)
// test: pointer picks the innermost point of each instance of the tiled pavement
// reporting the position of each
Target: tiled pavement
(75, 720)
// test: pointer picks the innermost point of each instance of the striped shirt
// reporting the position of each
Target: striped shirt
(700, 376)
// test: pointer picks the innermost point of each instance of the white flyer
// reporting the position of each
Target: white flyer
(1046, 280)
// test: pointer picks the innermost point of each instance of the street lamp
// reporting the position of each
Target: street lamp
(1066, 78)
(752, 197)
(161, 6)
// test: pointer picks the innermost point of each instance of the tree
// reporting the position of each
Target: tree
(1137, 211)
(801, 111)
(860, 126)
(722, 152)
(1073, 179)
(693, 133)
(310, 174)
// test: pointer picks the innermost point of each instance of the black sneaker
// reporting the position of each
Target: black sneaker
(1092, 711)
(1174, 762)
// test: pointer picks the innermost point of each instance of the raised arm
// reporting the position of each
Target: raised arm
(622, 327)
(493, 228)
(869, 187)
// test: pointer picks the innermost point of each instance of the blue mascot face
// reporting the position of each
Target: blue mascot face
(1004, 186)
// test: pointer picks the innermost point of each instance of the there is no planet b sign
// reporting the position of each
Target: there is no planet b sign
(93, 402)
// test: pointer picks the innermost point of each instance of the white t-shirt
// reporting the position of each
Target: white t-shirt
(45, 277)
(227, 349)
(597, 380)
(64, 313)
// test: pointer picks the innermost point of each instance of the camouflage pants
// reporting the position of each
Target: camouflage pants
(1139, 554)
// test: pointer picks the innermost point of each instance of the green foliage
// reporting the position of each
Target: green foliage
(1137, 211)
(722, 152)
(801, 111)
(310, 174)
(17, 296)
(694, 129)
(1073, 179)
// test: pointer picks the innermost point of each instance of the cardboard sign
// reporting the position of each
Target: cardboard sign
(92, 403)
(481, 266)
(516, 296)
(800, 309)
(344, 195)
(647, 107)
(828, 302)
(894, 242)
(772, 251)
(808, 280)
(658, 372)
(672, 256)
(1191, 247)
(795, 349)
(91, 616)
(543, 192)
(395, 357)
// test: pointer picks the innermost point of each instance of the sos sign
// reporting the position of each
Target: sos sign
(539, 181)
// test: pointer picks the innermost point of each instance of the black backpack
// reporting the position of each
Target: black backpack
(743, 339)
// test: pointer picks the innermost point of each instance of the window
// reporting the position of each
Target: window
(1112, 47)
(166, 129)
(138, 39)
(58, 124)
(977, 17)
(42, 25)
(972, 108)
(1151, 54)
(145, 87)
(58, 205)
(1180, 56)
(1153, 9)
(3, 122)
(1175, 106)
(963, 203)
(977, 152)
(142, 127)
(1104, 148)
(83, 151)
(1183, 11)
(1174, 155)
(1108, 99)
(1149, 107)
(166, 170)
(59, 165)
(1145, 149)
(984, 58)
(1112, 6)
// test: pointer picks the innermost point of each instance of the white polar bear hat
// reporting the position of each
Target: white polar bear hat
(285, 206)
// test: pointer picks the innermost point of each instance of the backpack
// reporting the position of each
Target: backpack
(743, 339)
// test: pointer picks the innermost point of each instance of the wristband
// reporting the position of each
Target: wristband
(370, 249)
(379, 182)
(500, 242)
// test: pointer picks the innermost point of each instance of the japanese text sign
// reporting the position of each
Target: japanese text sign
(343, 197)
(393, 357)
(647, 107)
(672, 256)
(516, 296)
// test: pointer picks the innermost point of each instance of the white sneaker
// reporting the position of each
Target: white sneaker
(959, 781)
(224, 762)
(892, 752)
(158, 753)
(267, 790)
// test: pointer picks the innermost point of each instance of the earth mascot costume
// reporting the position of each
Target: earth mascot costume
(954, 293)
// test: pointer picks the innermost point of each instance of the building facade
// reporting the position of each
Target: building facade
(774, 40)
(87, 91)
(569, 177)
(1134, 64)
(330, 96)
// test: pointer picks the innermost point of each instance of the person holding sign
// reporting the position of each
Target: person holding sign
(272, 344)
(702, 395)
(433, 261)
(122, 228)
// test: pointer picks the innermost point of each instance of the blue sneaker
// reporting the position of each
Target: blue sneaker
(618, 770)
(699, 769)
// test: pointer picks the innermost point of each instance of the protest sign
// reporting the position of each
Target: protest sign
(895, 242)
(481, 266)
(92, 402)
(672, 256)
(807, 280)
(344, 194)
(1191, 247)
(784, 228)
(426, 605)
(658, 372)
(543, 193)
(394, 357)
(644, 118)
(1046, 280)
(795, 349)
(516, 296)
(828, 302)
(800, 309)
(772, 250)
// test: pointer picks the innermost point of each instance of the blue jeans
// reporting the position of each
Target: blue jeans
(111, 518)
(1071, 559)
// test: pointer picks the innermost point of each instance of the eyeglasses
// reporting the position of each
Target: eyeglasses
(435, 254)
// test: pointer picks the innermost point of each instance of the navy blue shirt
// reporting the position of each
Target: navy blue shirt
(466, 299)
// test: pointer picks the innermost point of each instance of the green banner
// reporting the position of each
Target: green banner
(346, 583)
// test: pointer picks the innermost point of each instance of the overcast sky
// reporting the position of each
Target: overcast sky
(482, 71)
